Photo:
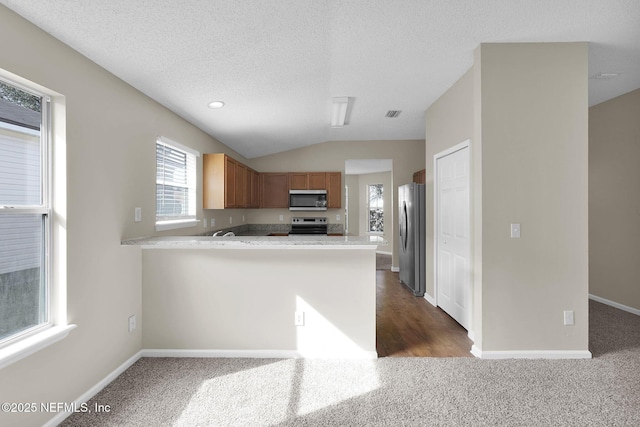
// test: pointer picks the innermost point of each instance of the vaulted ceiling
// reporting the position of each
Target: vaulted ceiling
(277, 64)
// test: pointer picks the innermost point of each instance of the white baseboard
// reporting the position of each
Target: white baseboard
(615, 304)
(431, 300)
(256, 354)
(85, 397)
(531, 354)
(267, 354)
(471, 335)
(395, 269)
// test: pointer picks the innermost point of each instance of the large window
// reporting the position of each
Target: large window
(175, 185)
(376, 208)
(25, 212)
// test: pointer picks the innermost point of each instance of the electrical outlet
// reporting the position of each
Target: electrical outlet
(515, 231)
(281, 217)
(242, 218)
(230, 220)
(568, 318)
(299, 318)
(132, 323)
(205, 223)
(338, 217)
(213, 222)
(137, 216)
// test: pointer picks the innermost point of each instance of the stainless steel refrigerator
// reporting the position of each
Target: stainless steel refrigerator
(411, 203)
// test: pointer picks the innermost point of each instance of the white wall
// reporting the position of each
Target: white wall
(244, 300)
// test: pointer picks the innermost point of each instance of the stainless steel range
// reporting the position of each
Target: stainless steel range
(309, 226)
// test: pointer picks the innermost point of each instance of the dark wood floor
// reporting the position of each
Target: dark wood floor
(408, 326)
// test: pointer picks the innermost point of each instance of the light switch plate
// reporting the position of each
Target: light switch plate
(568, 318)
(515, 231)
(138, 214)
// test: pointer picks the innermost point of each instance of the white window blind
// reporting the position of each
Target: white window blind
(175, 182)
(24, 213)
(20, 185)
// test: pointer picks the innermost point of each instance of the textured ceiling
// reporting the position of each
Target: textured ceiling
(277, 64)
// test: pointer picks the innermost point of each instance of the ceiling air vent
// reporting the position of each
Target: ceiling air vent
(393, 114)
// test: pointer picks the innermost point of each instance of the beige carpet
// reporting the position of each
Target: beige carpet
(604, 391)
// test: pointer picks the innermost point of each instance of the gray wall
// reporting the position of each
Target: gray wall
(614, 200)
(524, 108)
(534, 172)
(109, 137)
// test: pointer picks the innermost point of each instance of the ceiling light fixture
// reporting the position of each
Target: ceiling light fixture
(216, 104)
(339, 111)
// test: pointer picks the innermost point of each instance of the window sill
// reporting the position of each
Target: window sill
(26, 347)
(174, 224)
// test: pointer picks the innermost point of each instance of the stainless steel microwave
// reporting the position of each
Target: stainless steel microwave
(307, 200)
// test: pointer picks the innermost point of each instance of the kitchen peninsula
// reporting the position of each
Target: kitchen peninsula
(258, 296)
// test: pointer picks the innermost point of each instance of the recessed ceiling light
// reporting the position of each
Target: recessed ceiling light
(216, 104)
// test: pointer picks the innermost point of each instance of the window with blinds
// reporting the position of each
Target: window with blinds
(175, 182)
(24, 212)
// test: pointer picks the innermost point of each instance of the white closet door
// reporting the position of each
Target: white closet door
(453, 260)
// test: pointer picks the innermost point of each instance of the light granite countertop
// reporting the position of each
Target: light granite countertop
(257, 242)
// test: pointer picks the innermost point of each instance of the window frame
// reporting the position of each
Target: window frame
(369, 231)
(189, 220)
(53, 327)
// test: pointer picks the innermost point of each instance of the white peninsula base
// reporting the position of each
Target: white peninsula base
(245, 301)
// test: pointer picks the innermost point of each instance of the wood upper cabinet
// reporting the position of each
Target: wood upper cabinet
(308, 180)
(241, 186)
(274, 190)
(218, 181)
(420, 176)
(253, 189)
(317, 180)
(227, 183)
(298, 181)
(334, 190)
